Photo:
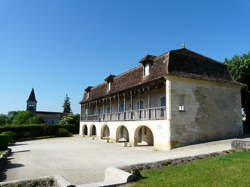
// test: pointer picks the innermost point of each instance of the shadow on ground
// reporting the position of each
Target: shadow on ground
(23, 151)
(7, 166)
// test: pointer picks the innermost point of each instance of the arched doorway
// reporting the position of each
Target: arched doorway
(92, 130)
(85, 130)
(143, 136)
(122, 134)
(105, 132)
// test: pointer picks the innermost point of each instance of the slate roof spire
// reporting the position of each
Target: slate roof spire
(32, 97)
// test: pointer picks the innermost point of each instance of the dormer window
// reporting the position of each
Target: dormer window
(109, 81)
(146, 69)
(147, 62)
(87, 91)
(109, 86)
(87, 95)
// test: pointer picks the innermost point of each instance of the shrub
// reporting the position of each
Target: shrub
(37, 130)
(11, 134)
(4, 141)
(62, 132)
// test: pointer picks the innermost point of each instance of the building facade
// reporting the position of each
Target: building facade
(48, 117)
(171, 100)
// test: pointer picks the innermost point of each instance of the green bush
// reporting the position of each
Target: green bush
(11, 134)
(62, 132)
(4, 141)
(37, 130)
(9, 138)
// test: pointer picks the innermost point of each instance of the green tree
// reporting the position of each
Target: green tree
(26, 117)
(73, 119)
(66, 105)
(3, 119)
(239, 67)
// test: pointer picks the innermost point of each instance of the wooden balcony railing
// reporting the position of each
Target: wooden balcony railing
(157, 113)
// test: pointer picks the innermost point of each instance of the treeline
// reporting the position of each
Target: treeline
(26, 118)
(20, 117)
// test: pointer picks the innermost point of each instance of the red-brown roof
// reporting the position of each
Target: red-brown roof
(181, 62)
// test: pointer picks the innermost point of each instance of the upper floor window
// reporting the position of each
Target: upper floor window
(87, 95)
(147, 61)
(146, 69)
(163, 101)
(121, 107)
(140, 105)
(108, 109)
(109, 81)
(109, 86)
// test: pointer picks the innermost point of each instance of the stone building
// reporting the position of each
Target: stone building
(48, 117)
(171, 100)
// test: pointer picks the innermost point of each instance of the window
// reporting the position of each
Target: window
(163, 101)
(108, 109)
(181, 103)
(109, 86)
(121, 107)
(140, 105)
(146, 69)
(87, 95)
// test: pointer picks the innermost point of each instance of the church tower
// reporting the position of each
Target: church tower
(31, 102)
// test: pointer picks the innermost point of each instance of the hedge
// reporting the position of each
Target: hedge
(4, 141)
(11, 134)
(34, 130)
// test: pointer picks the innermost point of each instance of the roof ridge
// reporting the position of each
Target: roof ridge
(213, 60)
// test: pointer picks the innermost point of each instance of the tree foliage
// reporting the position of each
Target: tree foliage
(20, 117)
(26, 117)
(66, 105)
(73, 119)
(3, 119)
(239, 67)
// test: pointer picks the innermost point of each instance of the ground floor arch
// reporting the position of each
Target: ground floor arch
(105, 133)
(93, 130)
(85, 130)
(122, 134)
(143, 136)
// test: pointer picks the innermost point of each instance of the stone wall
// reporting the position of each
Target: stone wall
(212, 111)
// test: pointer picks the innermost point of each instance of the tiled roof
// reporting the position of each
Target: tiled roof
(181, 62)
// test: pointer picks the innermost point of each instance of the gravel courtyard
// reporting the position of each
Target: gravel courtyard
(83, 160)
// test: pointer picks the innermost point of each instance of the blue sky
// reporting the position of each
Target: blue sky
(63, 46)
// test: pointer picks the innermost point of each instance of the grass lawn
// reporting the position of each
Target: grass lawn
(227, 170)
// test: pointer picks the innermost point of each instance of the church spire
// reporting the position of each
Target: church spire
(31, 102)
(32, 97)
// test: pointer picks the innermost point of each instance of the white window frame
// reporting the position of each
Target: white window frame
(109, 86)
(146, 69)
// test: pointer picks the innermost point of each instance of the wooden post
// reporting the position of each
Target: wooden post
(124, 102)
(118, 109)
(131, 100)
(103, 109)
(110, 105)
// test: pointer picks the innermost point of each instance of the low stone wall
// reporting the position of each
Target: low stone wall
(53, 181)
(240, 145)
(172, 162)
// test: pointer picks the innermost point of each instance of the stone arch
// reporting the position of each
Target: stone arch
(122, 134)
(92, 130)
(85, 130)
(105, 132)
(143, 136)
